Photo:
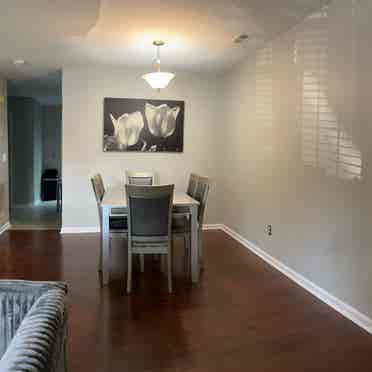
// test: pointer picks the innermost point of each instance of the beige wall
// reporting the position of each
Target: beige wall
(4, 210)
(289, 153)
(83, 92)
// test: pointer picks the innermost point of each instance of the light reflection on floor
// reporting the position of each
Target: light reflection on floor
(42, 216)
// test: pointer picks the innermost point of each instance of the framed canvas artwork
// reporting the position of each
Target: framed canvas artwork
(144, 125)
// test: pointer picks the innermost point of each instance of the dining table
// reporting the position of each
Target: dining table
(114, 203)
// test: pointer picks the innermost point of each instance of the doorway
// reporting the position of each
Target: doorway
(35, 136)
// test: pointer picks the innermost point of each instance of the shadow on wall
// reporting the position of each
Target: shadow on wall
(325, 91)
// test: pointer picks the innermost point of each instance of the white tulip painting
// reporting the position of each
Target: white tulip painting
(127, 129)
(143, 125)
(161, 120)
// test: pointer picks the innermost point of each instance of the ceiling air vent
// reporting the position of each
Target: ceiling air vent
(241, 38)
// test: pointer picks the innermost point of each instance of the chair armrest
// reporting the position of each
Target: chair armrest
(39, 341)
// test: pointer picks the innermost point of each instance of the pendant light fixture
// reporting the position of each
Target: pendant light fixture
(158, 79)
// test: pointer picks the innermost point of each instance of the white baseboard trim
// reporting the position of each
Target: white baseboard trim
(80, 230)
(216, 226)
(4, 227)
(343, 308)
(33, 228)
(95, 229)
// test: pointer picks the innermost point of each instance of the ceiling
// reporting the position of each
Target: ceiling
(51, 34)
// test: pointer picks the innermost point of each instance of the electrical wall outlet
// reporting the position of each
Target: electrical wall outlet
(269, 230)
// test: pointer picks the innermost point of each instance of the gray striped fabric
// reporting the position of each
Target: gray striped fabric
(33, 326)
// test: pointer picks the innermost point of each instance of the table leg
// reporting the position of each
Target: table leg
(105, 236)
(194, 244)
(59, 195)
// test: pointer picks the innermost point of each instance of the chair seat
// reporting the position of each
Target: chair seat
(118, 223)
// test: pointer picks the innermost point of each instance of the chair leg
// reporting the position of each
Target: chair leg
(100, 257)
(200, 249)
(169, 269)
(129, 272)
(185, 255)
(187, 240)
(142, 262)
(162, 263)
(100, 260)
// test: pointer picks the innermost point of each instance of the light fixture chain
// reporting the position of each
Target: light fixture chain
(158, 57)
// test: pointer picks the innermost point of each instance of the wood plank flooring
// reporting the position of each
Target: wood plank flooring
(243, 316)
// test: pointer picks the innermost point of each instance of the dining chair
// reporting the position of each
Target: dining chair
(191, 189)
(181, 222)
(192, 185)
(149, 224)
(180, 214)
(118, 223)
(201, 195)
(140, 178)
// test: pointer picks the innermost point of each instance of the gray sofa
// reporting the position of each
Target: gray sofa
(33, 326)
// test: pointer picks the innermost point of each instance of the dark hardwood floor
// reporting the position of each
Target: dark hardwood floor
(244, 315)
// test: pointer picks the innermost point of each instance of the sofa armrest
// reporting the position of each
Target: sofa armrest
(16, 299)
(38, 344)
(29, 287)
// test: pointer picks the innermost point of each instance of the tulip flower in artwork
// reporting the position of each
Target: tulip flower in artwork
(127, 129)
(161, 120)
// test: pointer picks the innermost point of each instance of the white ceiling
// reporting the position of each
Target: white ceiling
(50, 34)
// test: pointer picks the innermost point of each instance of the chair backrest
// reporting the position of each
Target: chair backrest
(193, 183)
(99, 192)
(100, 183)
(201, 195)
(98, 187)
(140, 178)
(149, 211)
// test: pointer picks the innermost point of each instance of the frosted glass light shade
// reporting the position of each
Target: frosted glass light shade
(158, 80)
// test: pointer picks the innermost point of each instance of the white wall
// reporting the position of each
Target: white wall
(83, 92)
(4, 184)
(37, 151)
(291, 168)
